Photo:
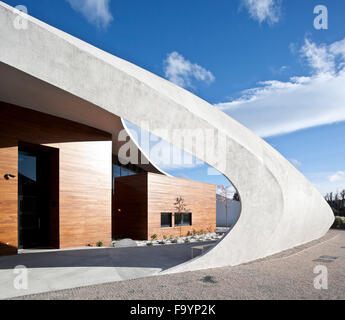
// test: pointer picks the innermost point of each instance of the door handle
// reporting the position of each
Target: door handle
(7, 176)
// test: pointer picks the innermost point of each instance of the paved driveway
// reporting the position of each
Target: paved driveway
(63, 269)
(288, 275)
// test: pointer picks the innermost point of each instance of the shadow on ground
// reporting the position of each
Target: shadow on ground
(158, 257)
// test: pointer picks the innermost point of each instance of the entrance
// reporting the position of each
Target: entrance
(37, 197)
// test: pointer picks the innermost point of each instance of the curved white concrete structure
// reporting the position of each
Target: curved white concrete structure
(280, 208)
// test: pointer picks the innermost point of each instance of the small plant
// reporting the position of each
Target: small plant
(149, 243)
(189, 234)
(174, 241)
(154, 237)
(164, 237)
(194, 232)
(186, 241)
(99, 244)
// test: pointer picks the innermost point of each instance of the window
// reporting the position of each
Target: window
(166, 220)
(183, 219)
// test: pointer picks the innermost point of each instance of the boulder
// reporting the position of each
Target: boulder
(125, 243)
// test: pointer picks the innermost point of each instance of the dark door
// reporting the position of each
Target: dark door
(34, 198)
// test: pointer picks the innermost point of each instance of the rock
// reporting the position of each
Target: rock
(125, 243)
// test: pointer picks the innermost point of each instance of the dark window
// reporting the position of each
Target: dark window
(166, 220)
(183, 219)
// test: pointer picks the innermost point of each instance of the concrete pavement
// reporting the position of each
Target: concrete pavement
(62, 269)
(288, 275)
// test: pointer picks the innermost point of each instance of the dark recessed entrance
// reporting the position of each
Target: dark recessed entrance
(38, 212)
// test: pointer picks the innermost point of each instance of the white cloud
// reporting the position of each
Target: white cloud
(278, 107)
(95, 11)
(338, 176)
(181, 71)
(321, 181)
(263, 10)
(295, 162)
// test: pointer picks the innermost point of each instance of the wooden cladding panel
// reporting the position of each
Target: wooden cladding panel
(8, 200)
(84, 171)
(85, 193)
(130, 207)
(200, 199)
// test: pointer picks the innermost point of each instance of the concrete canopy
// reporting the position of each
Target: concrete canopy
(280, 208)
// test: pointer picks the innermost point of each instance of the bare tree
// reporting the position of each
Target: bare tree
(225, 193)
(180, 207)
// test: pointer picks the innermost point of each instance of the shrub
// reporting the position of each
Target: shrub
(154, 237)
(339, 223)
(99, 244)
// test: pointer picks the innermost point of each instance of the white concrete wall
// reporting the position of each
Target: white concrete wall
(234, 211)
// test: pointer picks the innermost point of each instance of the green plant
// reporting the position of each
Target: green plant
(194, 232)
(149, 243)
(154, 237)
(186, 240)
(99, 244)
(339, 223)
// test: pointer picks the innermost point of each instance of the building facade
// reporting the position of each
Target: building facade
(147, 206)
(60, 178)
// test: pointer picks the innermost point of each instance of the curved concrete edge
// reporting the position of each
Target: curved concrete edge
(143, 152)
(280, 208)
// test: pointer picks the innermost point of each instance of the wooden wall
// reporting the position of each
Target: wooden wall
(130, 207)
(142, 198)
(200, 199)
(84, 174)
(8, 197)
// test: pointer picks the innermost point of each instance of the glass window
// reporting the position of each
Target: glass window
(183, 219)
(166, 220)
(116, 171)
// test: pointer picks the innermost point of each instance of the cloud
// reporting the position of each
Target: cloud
(263, 10)
(96, 12)
(338, 176)
(321, 181)
(279, 107)
(181, 71)
(295, 162)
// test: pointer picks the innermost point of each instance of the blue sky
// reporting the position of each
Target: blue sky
(261, 62)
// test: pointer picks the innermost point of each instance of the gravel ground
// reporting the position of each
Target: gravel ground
(288, 275)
